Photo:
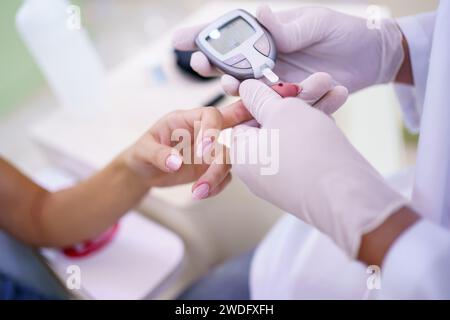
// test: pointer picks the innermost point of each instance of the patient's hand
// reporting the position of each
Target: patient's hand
(182, 147)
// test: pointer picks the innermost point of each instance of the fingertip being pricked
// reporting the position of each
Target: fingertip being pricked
(286, 89)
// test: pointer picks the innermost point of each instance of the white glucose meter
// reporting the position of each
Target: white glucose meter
(238, 45)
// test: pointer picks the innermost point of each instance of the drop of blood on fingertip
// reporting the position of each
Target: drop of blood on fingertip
(286, 89)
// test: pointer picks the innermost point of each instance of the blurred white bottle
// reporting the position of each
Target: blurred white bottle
(52, 31)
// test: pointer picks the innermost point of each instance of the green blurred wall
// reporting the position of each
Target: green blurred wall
(19, 76)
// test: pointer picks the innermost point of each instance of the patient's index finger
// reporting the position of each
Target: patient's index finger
(237, 113)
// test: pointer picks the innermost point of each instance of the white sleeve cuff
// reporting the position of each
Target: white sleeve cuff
(417, 266)
(418, 31)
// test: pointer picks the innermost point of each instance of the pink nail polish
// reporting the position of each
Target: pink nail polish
(173, 162)
(204, 146)
(207, 145)
(201, 191)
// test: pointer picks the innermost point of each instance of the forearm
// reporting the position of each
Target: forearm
(87, 209)
(405, 74)
(77, 213)
(416, 266)
(376, 244)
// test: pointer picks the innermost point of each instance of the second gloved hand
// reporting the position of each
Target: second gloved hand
(313, 39)
(320, 177)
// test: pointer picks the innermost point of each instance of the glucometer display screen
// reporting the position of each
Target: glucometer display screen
(230, 36)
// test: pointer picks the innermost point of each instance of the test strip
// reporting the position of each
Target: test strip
(270, 75)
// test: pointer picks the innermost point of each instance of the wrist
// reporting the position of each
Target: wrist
(123, 165)
(405, 74)
(392, 54)
(376, 243)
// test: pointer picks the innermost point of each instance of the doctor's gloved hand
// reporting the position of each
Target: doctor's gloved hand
(315, 174)
(312, 39)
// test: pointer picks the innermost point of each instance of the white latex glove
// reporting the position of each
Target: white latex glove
(313, 39)
(322, 179)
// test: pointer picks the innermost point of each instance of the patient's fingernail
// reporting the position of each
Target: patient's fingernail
(173, 162)
(207, 145)
(204, 147)
(201, 191)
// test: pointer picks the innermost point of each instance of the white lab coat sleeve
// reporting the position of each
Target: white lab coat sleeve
(417, 266)
(418, 30)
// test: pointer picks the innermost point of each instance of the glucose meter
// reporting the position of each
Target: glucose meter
(238, 45)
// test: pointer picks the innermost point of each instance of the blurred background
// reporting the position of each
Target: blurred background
(132, 39)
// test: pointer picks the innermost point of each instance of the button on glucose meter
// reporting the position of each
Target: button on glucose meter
(238, 45)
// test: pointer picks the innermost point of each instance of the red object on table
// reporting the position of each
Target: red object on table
(88, 247)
